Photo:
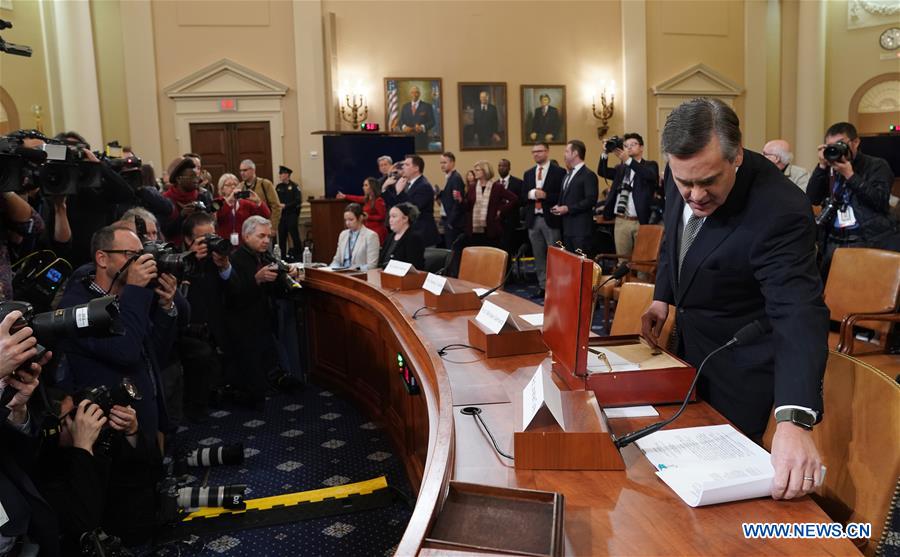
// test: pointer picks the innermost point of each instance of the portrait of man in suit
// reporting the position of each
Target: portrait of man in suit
(483, 115)
(413, 106)
(543, 114)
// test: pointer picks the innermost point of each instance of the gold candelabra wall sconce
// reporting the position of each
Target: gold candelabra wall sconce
(606, 110)
(355, 110)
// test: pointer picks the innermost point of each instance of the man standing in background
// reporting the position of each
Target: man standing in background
(291, 199)
(263, 188)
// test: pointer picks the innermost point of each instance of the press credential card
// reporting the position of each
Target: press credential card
(434, 283)
(397, 268)
(541, 391)
(492, 317)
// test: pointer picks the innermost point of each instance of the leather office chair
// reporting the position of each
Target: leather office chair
(644, 259)
(857, 440)
(483, 265)
(863, 290)
(436, 259)
(634, 299)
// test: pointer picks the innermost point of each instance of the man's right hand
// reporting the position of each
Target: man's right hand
(142, 271)
(267, 274)
(653, 320)
(16, 348)
(540, 194)
(401, 185)
(86, 425)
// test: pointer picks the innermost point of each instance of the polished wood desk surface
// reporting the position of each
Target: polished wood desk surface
(606, 513)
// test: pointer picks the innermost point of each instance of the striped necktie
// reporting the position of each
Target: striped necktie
(688, 235)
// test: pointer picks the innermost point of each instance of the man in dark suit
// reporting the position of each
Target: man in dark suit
(487, 123)
(545, 123)
(417, 116)
(739, 247)
(453, 214)
(540, 191)
(415, 188)
(513, 219)
(630, 199)
(577, 199)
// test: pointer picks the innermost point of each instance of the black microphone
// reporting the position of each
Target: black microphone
(623, 269)
(449, 264)
(746, 334)
(518, 255)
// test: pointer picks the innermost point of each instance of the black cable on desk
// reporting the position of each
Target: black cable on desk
(475, 412)
(416, 313)
(443, 351)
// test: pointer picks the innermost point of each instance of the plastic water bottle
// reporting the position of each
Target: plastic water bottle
(307, 257)
(276, 251)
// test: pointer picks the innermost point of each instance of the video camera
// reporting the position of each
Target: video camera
(38, 278)
(836, 151)
(613, 143)
(56, 169)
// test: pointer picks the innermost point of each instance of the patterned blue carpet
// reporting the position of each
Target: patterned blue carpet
(301, 442)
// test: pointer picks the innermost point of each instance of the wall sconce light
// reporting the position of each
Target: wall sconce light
(355, 109)
(607, 108)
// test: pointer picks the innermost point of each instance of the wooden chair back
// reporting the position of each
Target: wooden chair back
(646, 249)
(483, 265)
(863, 280)
(634, 299)
(857, 440)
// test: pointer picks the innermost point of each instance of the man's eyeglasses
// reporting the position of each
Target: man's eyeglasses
(129, 253)
(245, 169)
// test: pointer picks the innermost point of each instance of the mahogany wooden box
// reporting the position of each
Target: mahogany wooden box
(662, 379)
(410, 281)
(585, 444)
(508, 342)
(452, 301)
(499, 520)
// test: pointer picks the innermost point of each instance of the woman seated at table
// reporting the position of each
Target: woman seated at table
(486, 204)
(357, 245)
(402, 243)
(231, 216)
(373, 206)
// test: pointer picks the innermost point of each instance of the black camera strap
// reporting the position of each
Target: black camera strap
(121, 271)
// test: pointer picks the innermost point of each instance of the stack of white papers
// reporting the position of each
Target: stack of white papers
(709, 465)
(616, 363)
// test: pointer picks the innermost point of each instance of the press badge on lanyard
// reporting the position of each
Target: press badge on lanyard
(845, 217)
(235, 239)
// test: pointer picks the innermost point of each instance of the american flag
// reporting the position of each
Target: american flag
(393, 106)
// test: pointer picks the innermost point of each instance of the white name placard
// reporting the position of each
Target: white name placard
(397, 268)
(541, 391)
(492, 317)
(435, 283)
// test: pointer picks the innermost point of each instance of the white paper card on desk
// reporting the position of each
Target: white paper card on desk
(492, 317)
(631, 412)
(434, 283)
(710, 464)
(397, 268)
(533, 319)
(541, 391)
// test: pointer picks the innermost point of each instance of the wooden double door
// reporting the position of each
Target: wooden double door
(222, 147)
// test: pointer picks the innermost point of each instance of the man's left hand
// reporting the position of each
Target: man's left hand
(168, 285)
(559, 210)
(795, 459)
(124, 419)
(844, 168)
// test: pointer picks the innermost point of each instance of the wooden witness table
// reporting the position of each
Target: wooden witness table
(356, 329)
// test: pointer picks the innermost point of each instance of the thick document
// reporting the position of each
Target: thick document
(709, 465)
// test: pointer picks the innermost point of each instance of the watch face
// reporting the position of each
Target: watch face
(890, 39)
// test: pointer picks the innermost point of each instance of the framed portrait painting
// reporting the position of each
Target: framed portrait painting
(544, 114)
(414, 105)
(483, 116)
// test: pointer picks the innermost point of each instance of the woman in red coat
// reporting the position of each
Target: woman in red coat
(486, 204)
(234, 212)
(373, 206)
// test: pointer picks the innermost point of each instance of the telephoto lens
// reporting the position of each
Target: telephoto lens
(225, 496)
(216, 456)
(97, 318)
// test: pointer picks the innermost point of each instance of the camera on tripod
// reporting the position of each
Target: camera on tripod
(613, 143)
(836, 151)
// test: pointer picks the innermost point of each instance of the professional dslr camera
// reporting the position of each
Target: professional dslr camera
(613, 143)
(122, 394)
(217, 244)
(286, 284)
(212, 208)
(836, 151)
(168, 258)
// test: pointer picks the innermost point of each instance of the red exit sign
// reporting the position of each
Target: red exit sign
(227, 105)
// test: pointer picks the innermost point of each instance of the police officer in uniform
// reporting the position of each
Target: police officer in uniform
(290, 196)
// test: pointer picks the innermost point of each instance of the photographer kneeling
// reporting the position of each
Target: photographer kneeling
(147, 312)
(202, 337)
(255, 279)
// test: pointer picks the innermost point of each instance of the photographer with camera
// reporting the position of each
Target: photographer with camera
(201, 338)
(853, 189)
(148, 314)
(236, 207)
(27, 513)
(185, 195)
(250, 313)
(20, 226)
(635, 185)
